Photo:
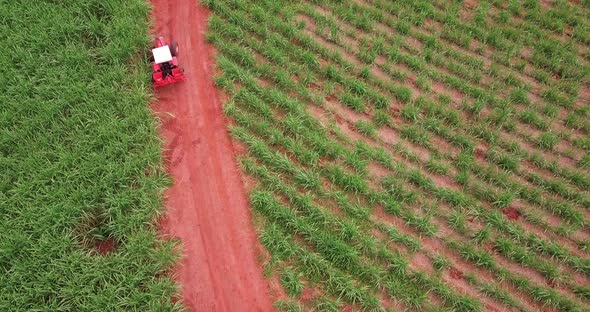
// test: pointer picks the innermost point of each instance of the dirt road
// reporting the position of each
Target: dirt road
(207, 207)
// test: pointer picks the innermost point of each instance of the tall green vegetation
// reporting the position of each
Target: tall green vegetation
(80, 165)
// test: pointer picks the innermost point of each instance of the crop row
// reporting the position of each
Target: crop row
(349, 211)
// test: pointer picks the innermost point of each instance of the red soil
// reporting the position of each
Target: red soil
(309, 294)
(511, 213)
(480, 153)
(331, 97)
(207, 207)
(455, 273)
(105, 246)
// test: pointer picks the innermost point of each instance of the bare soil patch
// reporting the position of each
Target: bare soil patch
(105, 246)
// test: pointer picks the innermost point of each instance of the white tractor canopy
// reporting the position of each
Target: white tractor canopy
(162, 54)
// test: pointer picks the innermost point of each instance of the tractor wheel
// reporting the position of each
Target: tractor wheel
(174, 48)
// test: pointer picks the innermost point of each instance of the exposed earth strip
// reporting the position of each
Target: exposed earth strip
(206, 208)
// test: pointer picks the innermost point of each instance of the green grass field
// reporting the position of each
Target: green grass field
(80, 164)
(414, 155)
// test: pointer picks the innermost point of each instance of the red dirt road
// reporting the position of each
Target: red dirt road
(207, 207)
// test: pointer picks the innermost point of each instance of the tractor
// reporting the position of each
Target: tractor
(165, 65)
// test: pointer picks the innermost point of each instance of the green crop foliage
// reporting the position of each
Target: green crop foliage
(288, 306)
(440, 262)
(81, 160)
(381, 118)
(365, 128)
(459, 119)
(436, 167)
(352, 101)
(410, 112)
(547, 140)
(520, 96)
(291, 282)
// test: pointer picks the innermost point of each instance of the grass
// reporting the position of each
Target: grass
(80, 160)
(456, 122)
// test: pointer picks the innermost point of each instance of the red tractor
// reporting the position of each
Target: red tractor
(165, 64)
